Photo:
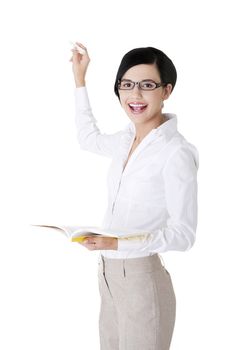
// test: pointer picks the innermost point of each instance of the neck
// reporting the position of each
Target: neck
(143, 129)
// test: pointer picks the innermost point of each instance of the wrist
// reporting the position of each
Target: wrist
(115, 244)
(79, 82)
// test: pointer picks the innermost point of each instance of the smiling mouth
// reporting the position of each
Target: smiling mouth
(137, 107)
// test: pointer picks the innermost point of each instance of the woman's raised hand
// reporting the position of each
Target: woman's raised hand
(80, 62)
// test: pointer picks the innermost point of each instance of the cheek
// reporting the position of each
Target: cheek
(122, 102)
(155, 102)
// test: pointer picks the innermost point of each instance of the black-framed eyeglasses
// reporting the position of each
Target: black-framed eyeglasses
(146, 85)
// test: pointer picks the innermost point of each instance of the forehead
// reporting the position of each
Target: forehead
(142, 71)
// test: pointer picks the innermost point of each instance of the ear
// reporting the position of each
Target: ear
(167, 91)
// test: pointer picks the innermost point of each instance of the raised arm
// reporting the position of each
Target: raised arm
(80, 64)
(89, 136)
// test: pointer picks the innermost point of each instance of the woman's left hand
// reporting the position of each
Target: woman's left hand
(100, 243)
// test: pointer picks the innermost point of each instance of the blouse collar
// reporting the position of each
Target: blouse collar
(166, 129)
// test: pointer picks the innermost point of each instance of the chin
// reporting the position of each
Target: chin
(139, 122)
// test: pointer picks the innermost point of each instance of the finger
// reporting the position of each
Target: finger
(88, 246)
(89, 241)
(82, 48)
(91, 246)
(81, 45)
(75, 51)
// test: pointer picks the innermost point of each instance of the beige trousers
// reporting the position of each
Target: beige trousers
(137, 304)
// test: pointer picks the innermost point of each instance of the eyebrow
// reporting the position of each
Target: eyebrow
(140, 80)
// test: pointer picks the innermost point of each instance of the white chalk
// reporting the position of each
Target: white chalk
(78, 48)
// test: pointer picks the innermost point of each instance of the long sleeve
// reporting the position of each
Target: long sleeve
(180, 186)
(89, 136)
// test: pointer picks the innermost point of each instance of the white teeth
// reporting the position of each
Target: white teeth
(136, 105)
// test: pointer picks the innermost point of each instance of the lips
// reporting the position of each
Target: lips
(137, 107)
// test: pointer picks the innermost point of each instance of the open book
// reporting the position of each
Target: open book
(79, 233)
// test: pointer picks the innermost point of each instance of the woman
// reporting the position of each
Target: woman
(152, 186)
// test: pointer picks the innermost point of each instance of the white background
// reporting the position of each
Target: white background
(49, 291)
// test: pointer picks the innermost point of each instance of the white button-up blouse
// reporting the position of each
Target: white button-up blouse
(156, 191)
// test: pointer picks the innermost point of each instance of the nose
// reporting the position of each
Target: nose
(136, 91)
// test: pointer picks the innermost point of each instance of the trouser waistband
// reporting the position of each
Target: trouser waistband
(130, 266)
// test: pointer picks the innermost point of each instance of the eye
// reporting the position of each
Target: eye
(126, 84)
(148, 85)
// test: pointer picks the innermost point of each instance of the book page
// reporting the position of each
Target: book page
(106, 232)
(85, 231)
(59, 228)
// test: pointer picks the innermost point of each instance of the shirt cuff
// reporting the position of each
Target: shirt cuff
(81, 98)
(126, 244)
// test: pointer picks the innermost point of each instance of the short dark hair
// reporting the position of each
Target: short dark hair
(147, 55)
